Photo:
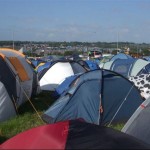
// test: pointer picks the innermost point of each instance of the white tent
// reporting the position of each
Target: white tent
(57, 73)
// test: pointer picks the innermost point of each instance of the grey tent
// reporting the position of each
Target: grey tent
(8, 91)
(128, 67)
(17, 82)
(99, 97)
(138, 124)
(7, 107)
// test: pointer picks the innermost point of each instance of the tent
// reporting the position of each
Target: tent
(73, 134)
(89, 64)
(7, 104)
(122, 66)
(138, 124)
(24, 71)
(23, 50)
(56, 73)
(8, 91)
(121, 56)
(91, 91)
(64, 85)
(36, 62)
(146, 58)
(13, 79)
(142, 82)
(128, 67)
(50, 58)
(42, 66)
(104, 59)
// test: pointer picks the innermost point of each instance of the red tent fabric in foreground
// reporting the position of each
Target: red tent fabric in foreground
(73, 134)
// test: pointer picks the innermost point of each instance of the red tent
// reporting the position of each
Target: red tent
(73, 134)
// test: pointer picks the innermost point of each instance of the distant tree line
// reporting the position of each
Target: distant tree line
(134, 47)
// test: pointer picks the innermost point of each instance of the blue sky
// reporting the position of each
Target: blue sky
(75, 20)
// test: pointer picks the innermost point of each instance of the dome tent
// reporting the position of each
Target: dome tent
(73, 134)
(128, 67)
(91, 90)
(121, 56)
(89, 64)
(56, 73)
(18, 62)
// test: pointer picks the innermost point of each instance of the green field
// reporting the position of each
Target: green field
(28, 118)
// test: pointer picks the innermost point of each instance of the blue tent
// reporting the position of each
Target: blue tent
(64, 86)
(35, 63)
(53, 58)
(128, 67)
(121, 56)
(89, 64)
(99, 97)
(123, 66)
(46, 65)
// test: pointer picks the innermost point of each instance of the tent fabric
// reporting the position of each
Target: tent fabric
(89, 64)
(42, 66)
(142, 82)
(128, 67)
(121, 56)
(107, 65)
(145, 70)
(35, 85)
(26, 85)
(138, 66)
(9, 51)
(7, 107)
(122, 66)
(11, 67)
(9, 95)
(73, 134)
(103, 60)
(138, 124)
(19, 68)
(37, 62)
(53, 76)
(20, 94)
(64, 86)
(91, 90)
(14, 53)
(7, 77)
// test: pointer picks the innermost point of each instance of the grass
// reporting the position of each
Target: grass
(27, 118)
(117, 126)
